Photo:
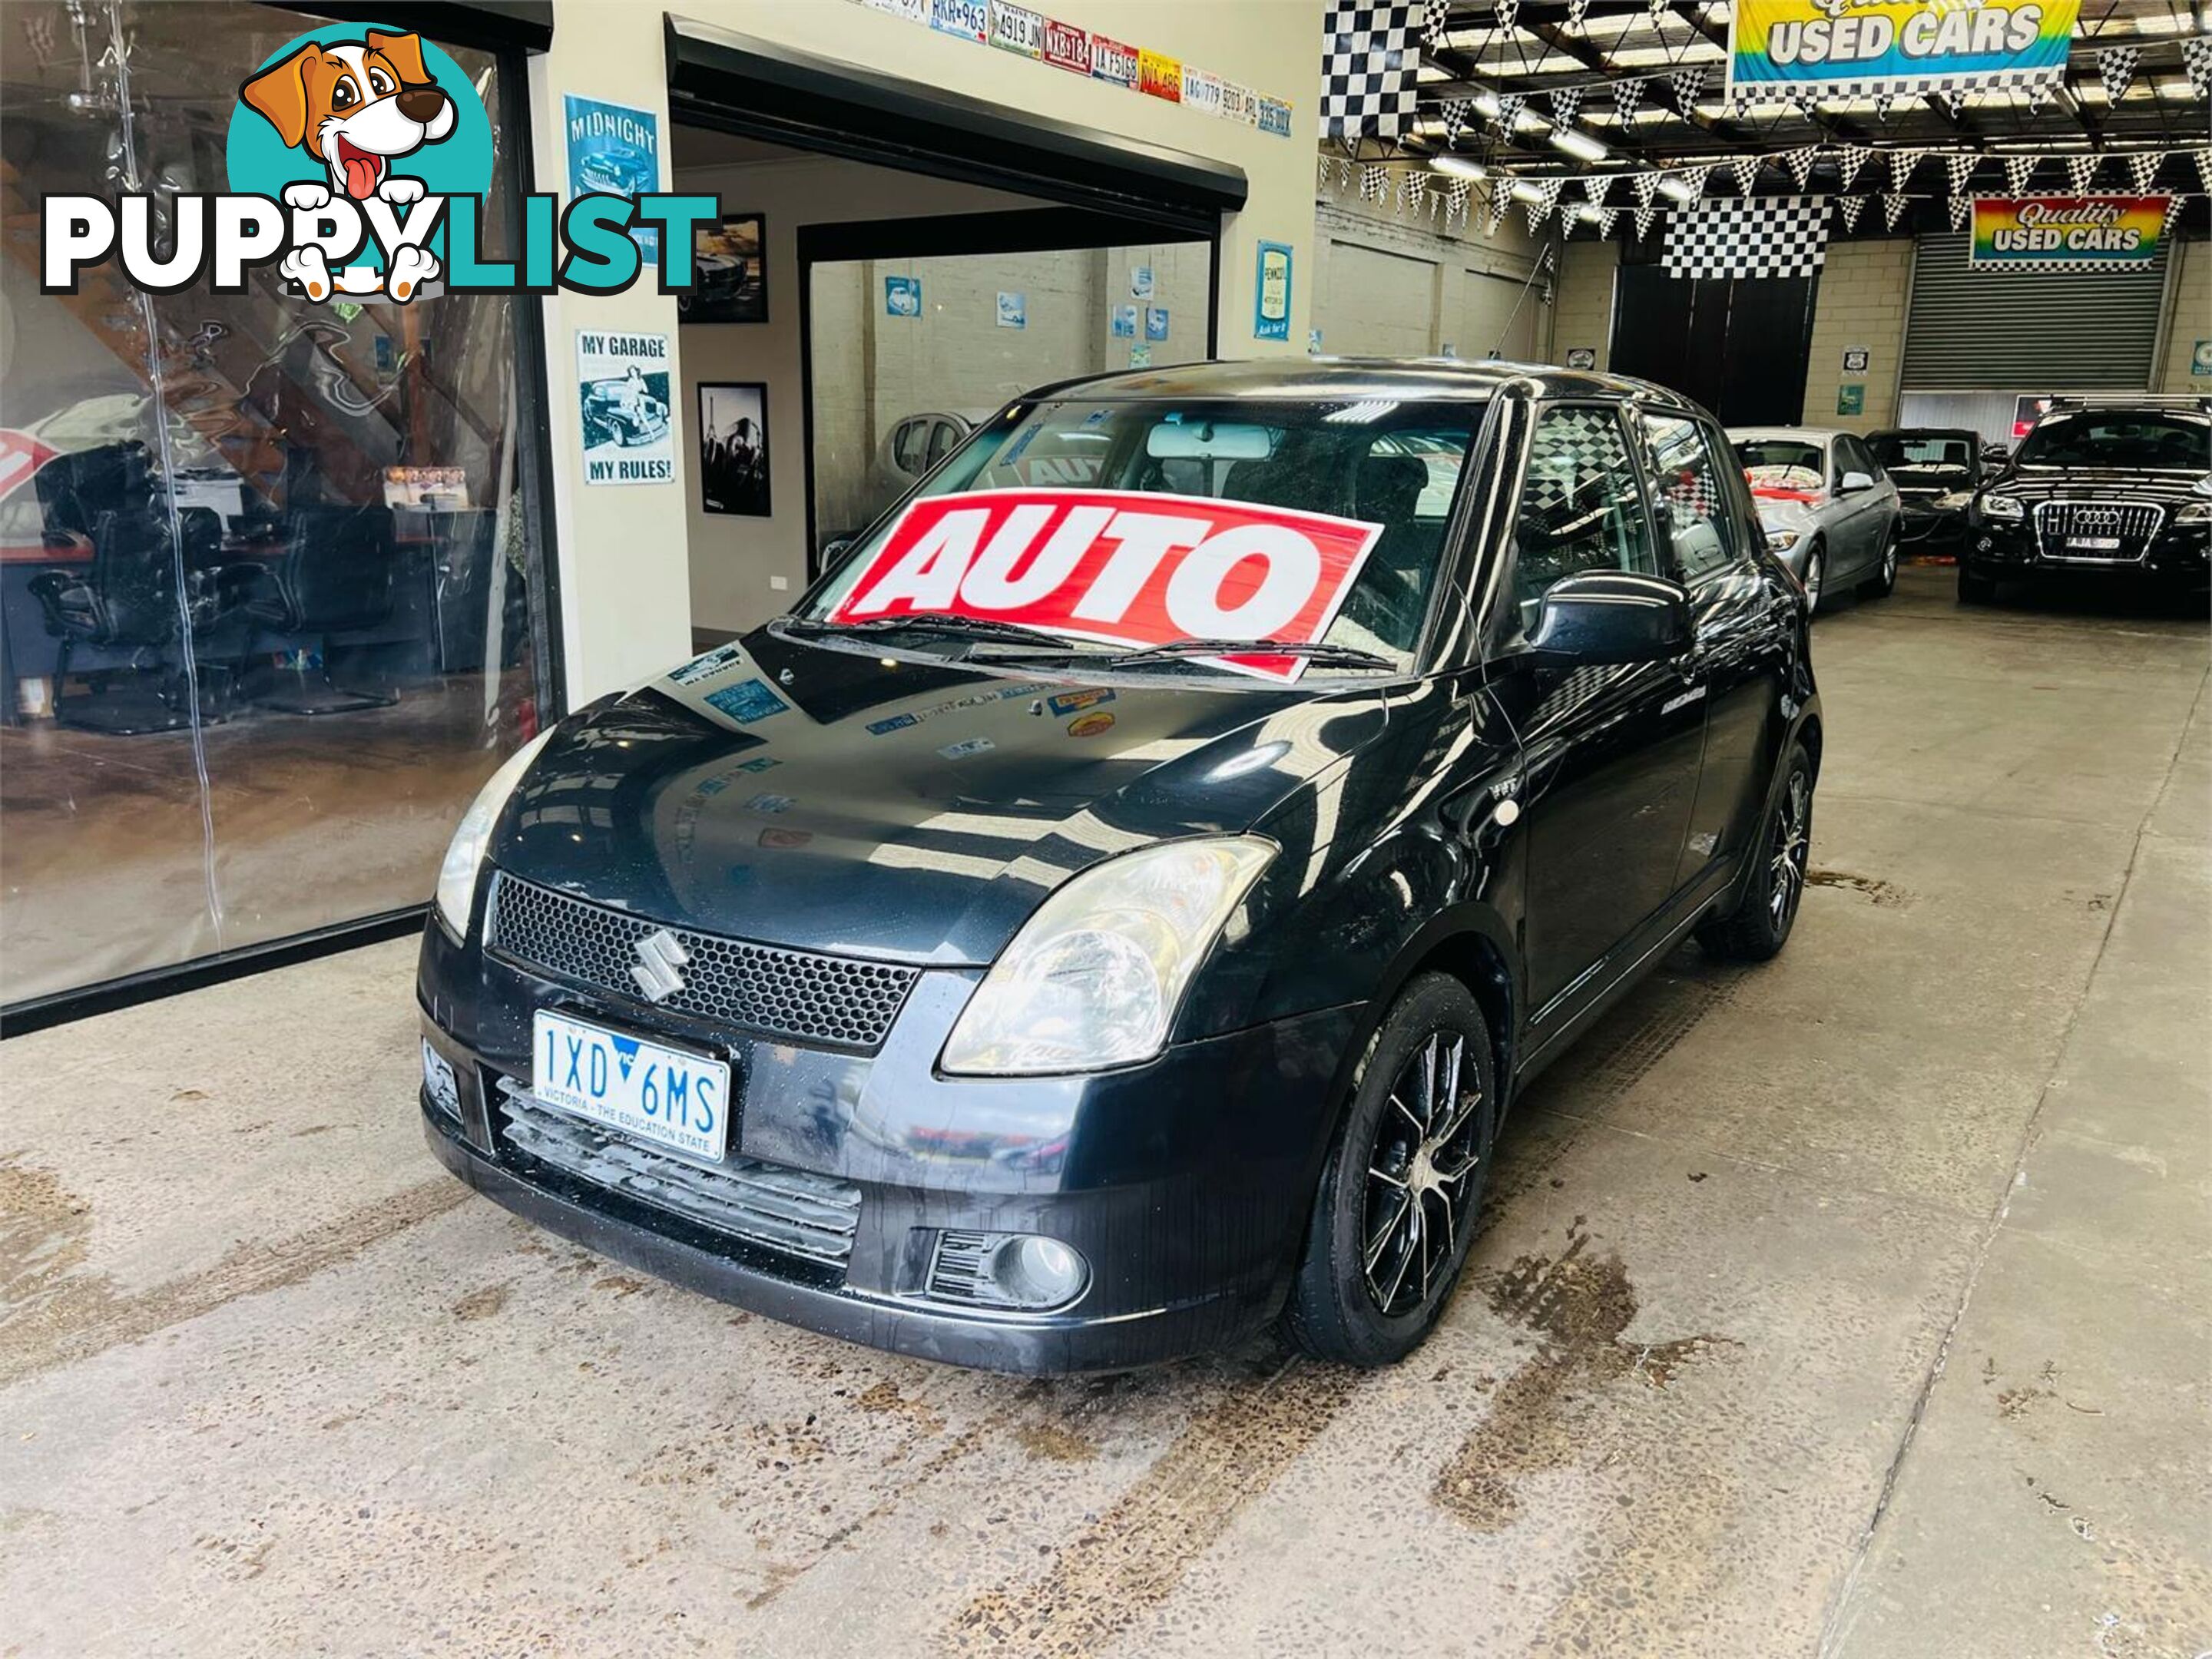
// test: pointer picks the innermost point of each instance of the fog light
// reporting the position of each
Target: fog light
(438, 1079)
(1018, 1271)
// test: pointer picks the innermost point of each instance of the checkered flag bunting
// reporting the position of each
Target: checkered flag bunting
(38, 34)
(1374, 182)
(2116, 68)
(1851, 207)
(2196, 58)
(1744, 170)
(1456, 112)
(1658, 9)
(1771, 236)
(1595, 185)
(1509, 13)
(2172, 212)
(1566, 104)
(1509, 106)
(2018, 170)
(1893, 209)
(1646, 185)
(1695, 176)
(2142, 169)
(2039, 94)
(1849, 158)
(1686, 86)
(1576, 10)
(2080, 170)
(1959, 206)
(1495, 216)
(1884, 101)
(1798, 163)
(1455, 198)
(1954, 100)
(1370, 69)
(1436, 18)
(1644, 216)
(1627, 100)
(1958, 169)
(1606, 218)
(1901, 163)
(2204, 160)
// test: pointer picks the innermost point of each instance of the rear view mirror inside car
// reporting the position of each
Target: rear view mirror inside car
(1203, 440)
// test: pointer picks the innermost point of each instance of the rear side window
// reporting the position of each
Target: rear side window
(1853, 457)
(1686, 476)
(1582, 507)
(944, 439)
(909, 446)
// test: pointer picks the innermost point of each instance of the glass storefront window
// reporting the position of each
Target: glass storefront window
(270, 595)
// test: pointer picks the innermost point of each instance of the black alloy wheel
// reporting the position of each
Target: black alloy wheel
(1403, 1193)
(1766, 908)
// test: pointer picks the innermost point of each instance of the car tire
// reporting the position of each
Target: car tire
(1976, 590)
(1402, 1189)
(1767, 910)
(1883, 582)
(1816, 579)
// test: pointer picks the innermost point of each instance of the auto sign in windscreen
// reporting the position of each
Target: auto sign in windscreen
(1397, 465)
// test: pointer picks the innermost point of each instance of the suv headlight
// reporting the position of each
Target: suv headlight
(1094, 978)
(465, 853)
(2193, 513)
(2002, 509)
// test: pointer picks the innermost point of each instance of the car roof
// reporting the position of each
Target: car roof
(1334, 379)
(1811, 434)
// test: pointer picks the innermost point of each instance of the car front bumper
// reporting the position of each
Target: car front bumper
(1185, 1183)
(2176, 559)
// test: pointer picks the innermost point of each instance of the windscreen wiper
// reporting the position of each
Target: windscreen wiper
(800, 628)
(1321, 651)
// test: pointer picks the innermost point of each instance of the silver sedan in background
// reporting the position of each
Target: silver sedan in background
(1829, 510)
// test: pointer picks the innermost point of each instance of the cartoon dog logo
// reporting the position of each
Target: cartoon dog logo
(355, 107)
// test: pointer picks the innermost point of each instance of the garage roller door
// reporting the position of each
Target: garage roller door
(1377, 304)
(1498, 312)
(1968, 329)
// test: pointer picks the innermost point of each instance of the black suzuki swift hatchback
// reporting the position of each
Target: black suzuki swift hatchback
(1114, 910)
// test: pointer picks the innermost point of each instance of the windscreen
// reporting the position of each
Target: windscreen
(2163, 442)
(1923, 451)
(1369, 485)
(1789, 464)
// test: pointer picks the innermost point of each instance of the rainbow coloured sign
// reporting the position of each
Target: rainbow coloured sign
(2067, 233)
(1847, 48)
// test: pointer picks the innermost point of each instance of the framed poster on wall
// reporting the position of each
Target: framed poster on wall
(729, 272)
(1271, 296)
(733, 448)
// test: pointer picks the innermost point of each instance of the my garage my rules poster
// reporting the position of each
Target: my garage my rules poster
(621, 392)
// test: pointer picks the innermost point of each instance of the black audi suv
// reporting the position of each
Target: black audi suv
(1099, 921)
(2121, 492)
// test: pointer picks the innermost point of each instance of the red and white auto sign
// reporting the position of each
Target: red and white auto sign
(1127, 567)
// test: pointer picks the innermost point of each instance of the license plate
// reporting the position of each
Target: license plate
(669, 1097)
(2094, 544)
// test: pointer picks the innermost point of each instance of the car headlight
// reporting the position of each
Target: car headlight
(1957, 501)
(1094, 978)
(2002, 509)
(465, 853)
(1781, 541)
(2194, 513)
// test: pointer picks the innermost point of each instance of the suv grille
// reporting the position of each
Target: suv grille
(2133, 525)
(793, 994)
(810, 1216)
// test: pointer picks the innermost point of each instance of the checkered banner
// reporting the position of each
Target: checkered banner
(1749, 236)
(1370, 63)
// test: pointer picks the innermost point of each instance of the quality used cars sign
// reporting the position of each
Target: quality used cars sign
(359, 160)
(1129, 568)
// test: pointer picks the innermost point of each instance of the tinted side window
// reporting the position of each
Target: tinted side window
(1580, 508)
(1686, 476)
(907, 448)
(1853, 457)
(944, 439)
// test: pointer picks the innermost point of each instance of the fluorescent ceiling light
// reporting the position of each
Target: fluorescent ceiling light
(1459, 166)
(1580, 145)
(1678, 188)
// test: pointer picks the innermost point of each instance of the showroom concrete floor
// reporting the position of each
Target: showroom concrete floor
(1855, 1304)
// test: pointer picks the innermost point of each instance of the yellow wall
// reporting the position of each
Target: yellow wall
(625, 599)
(1865, 291)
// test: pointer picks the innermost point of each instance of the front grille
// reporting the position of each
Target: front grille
(2134, 525)
(789, 1211)
(794, 994)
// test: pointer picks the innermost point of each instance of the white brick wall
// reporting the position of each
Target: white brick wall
(1584, 313)
(1865, 290)
(2189, 319)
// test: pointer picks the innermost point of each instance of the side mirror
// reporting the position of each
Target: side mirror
(1604, 616)
(834, 549)
(1855, 481)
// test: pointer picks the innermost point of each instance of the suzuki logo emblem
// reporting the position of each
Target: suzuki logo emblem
(660, 960)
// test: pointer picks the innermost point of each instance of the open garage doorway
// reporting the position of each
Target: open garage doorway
(888, 271)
